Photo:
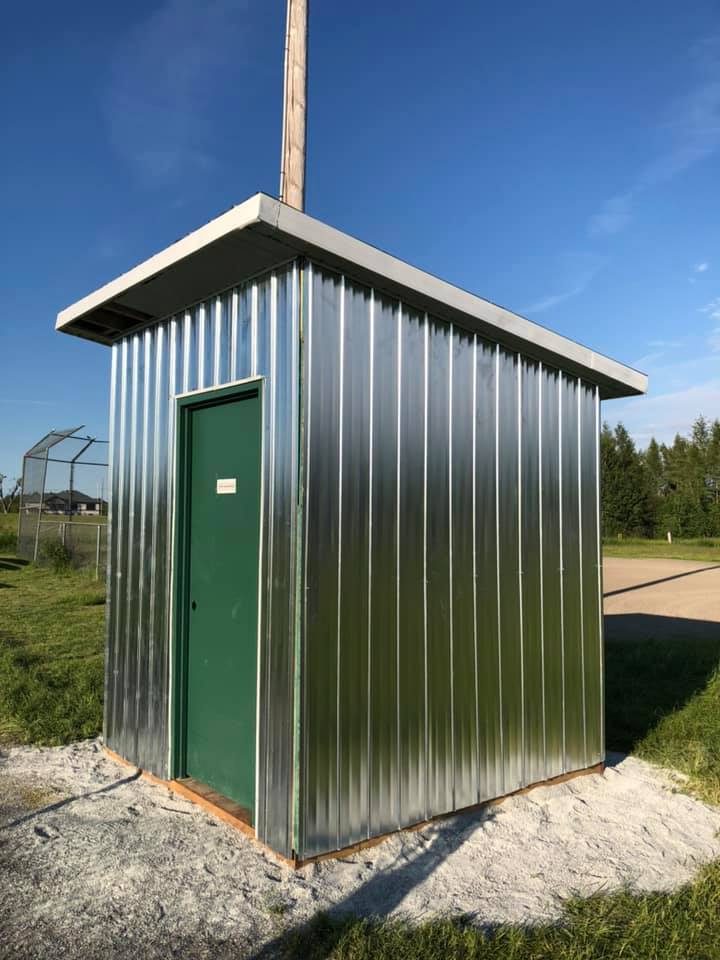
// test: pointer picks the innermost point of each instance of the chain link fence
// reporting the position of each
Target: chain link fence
(63, 506)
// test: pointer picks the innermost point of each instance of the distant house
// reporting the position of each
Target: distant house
(63, 502)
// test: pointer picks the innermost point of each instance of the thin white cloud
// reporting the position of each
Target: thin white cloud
(666, 414)
(642, 363)
(164, 75)
(573, 271)
(701, 267)
(614, 216)
(712, 309)
(664, 344)
(547, 303)
(691, 133)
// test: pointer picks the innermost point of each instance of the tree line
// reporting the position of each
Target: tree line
(675, 488)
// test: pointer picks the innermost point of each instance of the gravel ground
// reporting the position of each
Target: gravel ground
(95, 862)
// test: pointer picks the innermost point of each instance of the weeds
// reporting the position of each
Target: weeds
(58, 555)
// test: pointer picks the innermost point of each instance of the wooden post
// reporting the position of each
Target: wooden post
(292, 164)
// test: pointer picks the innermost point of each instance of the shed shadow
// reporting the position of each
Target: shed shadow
(653, 666)
(59, 804)
(654, 583)
(381, 894)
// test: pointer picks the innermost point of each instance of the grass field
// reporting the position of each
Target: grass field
(51, 653)
(663, 703)
(705, 549)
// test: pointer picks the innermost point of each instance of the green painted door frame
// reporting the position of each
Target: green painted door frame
(186, 405)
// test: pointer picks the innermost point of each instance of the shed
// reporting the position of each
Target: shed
(354, 565)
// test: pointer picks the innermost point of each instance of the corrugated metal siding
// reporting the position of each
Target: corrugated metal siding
(451, 628)
(249, 331)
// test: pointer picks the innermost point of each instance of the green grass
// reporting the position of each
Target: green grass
(51, 654)
(663, 704)
(681, 926)
(703, 549)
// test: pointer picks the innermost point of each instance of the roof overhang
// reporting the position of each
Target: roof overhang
(263, 233)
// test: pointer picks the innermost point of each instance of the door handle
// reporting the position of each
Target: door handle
(193, 605)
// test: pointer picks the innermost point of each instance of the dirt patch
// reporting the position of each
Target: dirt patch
(119, 867)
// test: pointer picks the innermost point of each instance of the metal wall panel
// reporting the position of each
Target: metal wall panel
(448, 482)
(464, 628)
(490, 737)
(438, 554)
(322, 583)
(511, 663)
(591, 609)
(352, 624)
(572, 579)
(552, 624)
(531, 574)
(274, 816)
(411, 571)
(253, 329)
(382, 593)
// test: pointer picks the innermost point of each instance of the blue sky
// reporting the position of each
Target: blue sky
(561, 159)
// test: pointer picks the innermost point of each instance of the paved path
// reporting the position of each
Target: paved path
(661, 598)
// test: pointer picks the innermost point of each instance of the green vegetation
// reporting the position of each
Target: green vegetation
(663, 704)
(8, 532)
(51, 654)
(57, 554)
(666, 487)
(655, 927)
(705, 549)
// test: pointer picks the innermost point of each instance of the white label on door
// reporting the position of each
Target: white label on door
(227, 486)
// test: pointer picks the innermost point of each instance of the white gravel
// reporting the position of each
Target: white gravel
(126, 868)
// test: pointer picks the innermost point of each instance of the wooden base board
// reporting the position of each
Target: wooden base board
(225, 810)
(473, 808)
(236, 816)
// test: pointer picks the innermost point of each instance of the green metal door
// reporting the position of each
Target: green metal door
(222, 499)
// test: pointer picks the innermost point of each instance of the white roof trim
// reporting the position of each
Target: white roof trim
(235, 219)
(305, 235)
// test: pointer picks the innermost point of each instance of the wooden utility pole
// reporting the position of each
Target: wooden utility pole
(292, 163)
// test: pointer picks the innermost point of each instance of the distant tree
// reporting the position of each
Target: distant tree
(673, 487)
(10, 501)
(655, 467)
(628, 498)
(713, 477)
(682, 510)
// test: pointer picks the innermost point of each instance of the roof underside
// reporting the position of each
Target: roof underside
(261, 234)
